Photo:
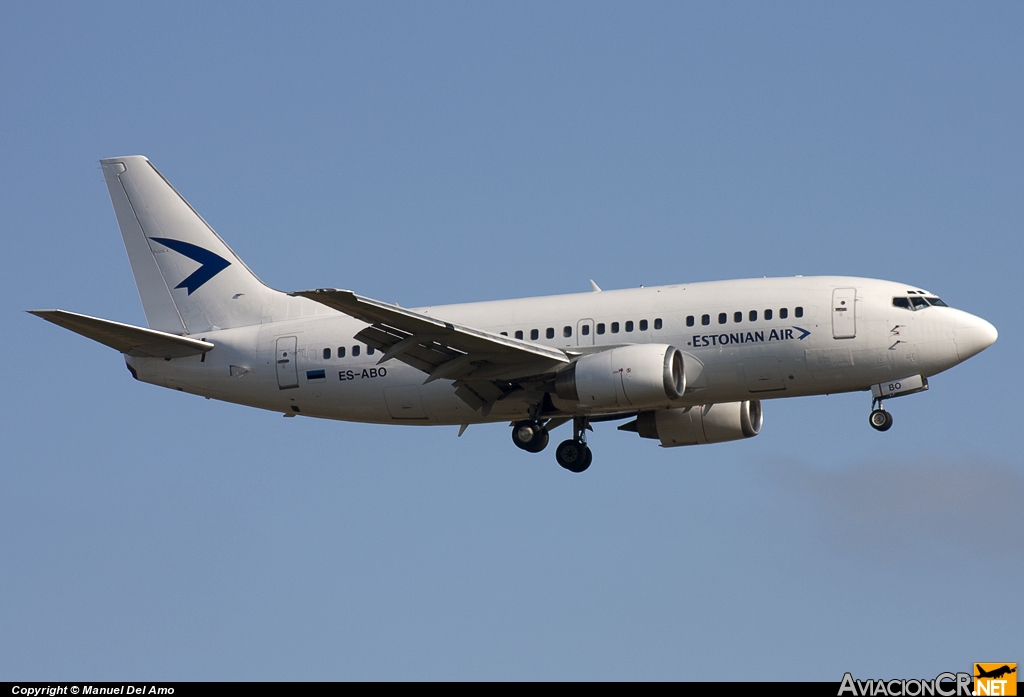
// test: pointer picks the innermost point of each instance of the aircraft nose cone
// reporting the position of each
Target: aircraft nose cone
(972, 334)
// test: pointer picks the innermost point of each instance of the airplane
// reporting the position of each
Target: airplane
(995, 673)
(685, 364)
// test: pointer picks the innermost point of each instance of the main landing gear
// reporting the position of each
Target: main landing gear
(532, 436)
(880, 419)
(574, 455)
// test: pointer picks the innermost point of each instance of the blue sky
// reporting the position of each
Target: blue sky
(432, 153)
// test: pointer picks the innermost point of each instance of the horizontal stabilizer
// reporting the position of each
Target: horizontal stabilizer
(134, 341)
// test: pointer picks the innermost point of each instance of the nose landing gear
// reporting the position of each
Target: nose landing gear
(880, 419)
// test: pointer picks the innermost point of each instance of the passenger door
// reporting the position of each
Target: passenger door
(287, 363)
(844, 313)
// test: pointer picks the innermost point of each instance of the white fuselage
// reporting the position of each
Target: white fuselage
(812, 343)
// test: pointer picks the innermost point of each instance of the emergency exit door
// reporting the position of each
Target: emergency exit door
(844, 313)
(585, 332)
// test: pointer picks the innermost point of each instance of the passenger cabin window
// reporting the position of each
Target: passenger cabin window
(600, 328)
(550, 333)
(369, 350)
(341, 352)
(737, 317)
(629, 326)
(327, 354)
(615, 327)
(534, 334)
(657, 323)
(799, 312)
(689, 320)
(784, 313)
(519, 333)
(504, 333)
(585, 330)
(767, 314)
(566, 331)
(355, 351)
(753, 315)
(705, 319)
(643, 325)
(722, 318)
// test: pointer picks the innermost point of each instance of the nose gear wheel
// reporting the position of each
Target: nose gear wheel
(880, 420)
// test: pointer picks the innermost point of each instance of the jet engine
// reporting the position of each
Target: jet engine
(706, 423)
(628, 376)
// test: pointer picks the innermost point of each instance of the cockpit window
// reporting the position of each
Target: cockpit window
(917, 302)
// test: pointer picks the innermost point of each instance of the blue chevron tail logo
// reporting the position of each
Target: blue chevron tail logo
(210, 263)
(803, 333)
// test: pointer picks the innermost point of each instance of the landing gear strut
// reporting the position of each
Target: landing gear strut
(530, 436)
(573, 454)
(880, 419)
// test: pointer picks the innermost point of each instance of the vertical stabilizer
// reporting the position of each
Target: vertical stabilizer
(189, 280)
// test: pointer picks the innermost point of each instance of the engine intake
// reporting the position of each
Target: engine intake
(643, 375)
(707, 423)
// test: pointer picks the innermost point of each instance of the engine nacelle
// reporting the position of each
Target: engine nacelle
(628, 376)
(707, 423)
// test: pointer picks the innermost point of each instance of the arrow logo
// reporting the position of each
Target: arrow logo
(210, 263)
(803, 333)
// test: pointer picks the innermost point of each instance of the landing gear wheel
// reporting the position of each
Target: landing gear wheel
(574, 455)
(530, 436)
(880, 420)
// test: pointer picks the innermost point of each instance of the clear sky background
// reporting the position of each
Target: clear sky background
(425, 153)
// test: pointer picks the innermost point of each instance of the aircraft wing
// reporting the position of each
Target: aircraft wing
(483, 365)
(134, 341)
